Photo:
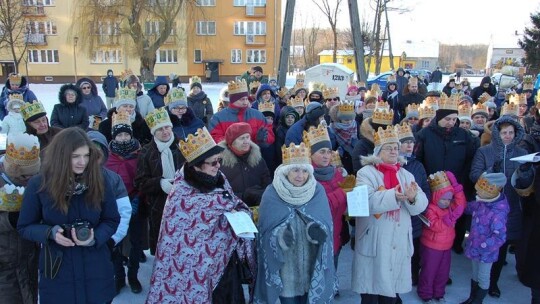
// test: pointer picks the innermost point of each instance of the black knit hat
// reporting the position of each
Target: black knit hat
(195, 84)
(119, 128)
(442, 113)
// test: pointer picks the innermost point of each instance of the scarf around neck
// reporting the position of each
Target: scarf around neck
(323, 173)
(390, 181)
(345, 133)
(167, 159)
(291, 194)
(124, 148)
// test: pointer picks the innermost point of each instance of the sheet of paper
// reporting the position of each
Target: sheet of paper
(358, 201)
(529, 158)
(424, 220)
(242, 224)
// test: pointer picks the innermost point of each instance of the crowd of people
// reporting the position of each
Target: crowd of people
(84, 195)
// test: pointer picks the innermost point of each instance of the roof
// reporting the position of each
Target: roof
(331, 66)
(505, 42)
(413, 49)
(339, 53)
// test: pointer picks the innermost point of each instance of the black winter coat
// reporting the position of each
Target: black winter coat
(417, 170)
(65, 115)
(141, 132)
(364, 146)
(479, 90)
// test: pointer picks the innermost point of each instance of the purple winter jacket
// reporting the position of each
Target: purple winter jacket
(488, 229)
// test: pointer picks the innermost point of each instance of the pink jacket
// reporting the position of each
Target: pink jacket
(338, 204)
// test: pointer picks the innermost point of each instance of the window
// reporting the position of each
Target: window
(197, 56)
(43, 56)
(206, 28)
(41, 27)
(38, 2)
(249, 3)
(107, 56)
(109, 27)
(424, 64)
(236, 56)
(250, 28)
(339, 60)
(167, 56)
(206, 2)
(152, 28)
(256, 56)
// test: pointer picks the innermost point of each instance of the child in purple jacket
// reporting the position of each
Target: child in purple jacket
(487, 233)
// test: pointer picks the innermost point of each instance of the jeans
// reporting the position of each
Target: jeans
(135, 239)
(480, 273)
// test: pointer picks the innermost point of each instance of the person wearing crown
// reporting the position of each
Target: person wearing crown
(18, 256)
(466, 122)
(485, 87)
(92, 102)
(315, 91)
(70, 210)
(223, 101)
(487, 233)
(412, 115)
(124, 151)
(69, 112)
(198, 101)
(14, 122)
(288, 117)
(313, 117)
(410, 96)
(295, 256)
(383, 240)
(479, 116)
(265, 94)
(346, 131)
(254, 74)
(331, 98)
(157, 163)
(15, 84)
(182, 117)
(109, 86)
(37, 123)
(158, 91)
(144, 103)
(198, 255)
(506, 134)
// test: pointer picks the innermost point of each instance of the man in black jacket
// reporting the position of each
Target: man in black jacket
(110, 84)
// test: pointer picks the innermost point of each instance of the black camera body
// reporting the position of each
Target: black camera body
(82, 229)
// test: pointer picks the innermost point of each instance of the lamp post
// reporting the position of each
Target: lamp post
(75, 40)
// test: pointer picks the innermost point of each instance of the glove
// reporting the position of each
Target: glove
(262, 136)
(315, 233)
(456, 211)
(135, 205)
(166, 184)
(452, 178)
(287, 237)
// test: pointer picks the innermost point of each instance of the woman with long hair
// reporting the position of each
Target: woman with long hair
(71, 210)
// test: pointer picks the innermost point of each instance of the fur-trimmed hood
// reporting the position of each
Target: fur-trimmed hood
(485, 138)
(333, 113)
(62, 92)
(366, 130)
(375, 160)
(231, 160)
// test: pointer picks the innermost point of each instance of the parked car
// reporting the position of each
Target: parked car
(380, 79)
(503, 83)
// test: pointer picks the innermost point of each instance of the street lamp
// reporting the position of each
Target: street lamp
(75, 40)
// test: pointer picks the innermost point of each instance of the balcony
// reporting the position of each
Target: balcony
(38, 10)
(255, 39)
(255, 11)
(36, 39)
(105, 40)
(170, 40)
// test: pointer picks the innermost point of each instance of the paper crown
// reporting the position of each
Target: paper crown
(294, 154)
(518, 98)
(431, 101)
(361, 84)
(254, 85)
(300, 76)
(385, 136)
(121, 118)
(282, 92)
(126, 93)
(459, 86)
(511, 109)
(464, 111)
(391, 78)
(373, 92)
(194, 79)
(15, 79)
(316, 135)
(316, 86)
(448, 103)
(479, 108)
(382, 105)
(236, 87)
(11, 198)
(295, 102)
(376, 88)
(16, 96)
(125, 74)
(484, 97)
(485, 189)
(438, 181)
(411, 108)
(336, 160)
(330, 93)
(347, 108)
(426, 112)
(196, 144)
(175, 96)
(528, 82)
(22, 149)
(413, 81)
(266, 106)
(30, 109)
(157, 119)
(404, 131)
(382, 116)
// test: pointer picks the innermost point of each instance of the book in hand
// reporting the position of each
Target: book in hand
(242, 224)
(529, 158)
(424, 220)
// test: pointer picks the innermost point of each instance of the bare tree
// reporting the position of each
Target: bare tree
(13, 30)
(144, 25)
(330, 8)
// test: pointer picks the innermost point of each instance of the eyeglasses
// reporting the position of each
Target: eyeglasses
(330, 99)
(413, 118)
(215, 163)
(85, 88)
(390, 149)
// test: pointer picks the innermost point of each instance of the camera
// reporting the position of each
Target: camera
(82, 229)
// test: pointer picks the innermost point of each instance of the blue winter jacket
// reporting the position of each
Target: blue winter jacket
(157, 99)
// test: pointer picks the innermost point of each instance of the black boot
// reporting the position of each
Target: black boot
(480, 295)
(119, 284)
(134, 283)
(494, 291)
(474, 288)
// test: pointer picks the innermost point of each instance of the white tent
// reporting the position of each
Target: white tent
(331, 74)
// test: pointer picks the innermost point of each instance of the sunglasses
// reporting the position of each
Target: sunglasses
(330, 99)
(215, 163)
(85, 88)
(413, 118)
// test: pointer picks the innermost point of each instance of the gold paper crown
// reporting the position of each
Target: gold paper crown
(316, 86)
(448, 103)
(294, 154)
(382, 105)
(457, 95)
(479, 108)
(16, 96)
(373, 92)
(528, 82)
(426, 112)
(11, 198)
(413, 81)
(511, 109)
(438, 181)
(175, 94)
(22, 149)
(126, 93)
(346, 107)
(518, 98)
(484, 97)
(121, 118)
(282, 92)
(236, 87)
(15, 79)
(404, 131)
(459, 86)
(330, 93)
(125, 74)
(194, 79)
(385, 136)
(336, 160)
(30, 109)
(295, 102)
(157, 117)
(266, 106)
(361, 84)
(196, 144)
(382, 115)
(316, 135)
(486, 190)
(300, 76)
(464, 110)
(254, 85)
(431, 101)
(391, 78)
(411, 108)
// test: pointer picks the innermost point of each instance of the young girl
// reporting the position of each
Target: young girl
(487, 233)
(13, 122)
(446, 206)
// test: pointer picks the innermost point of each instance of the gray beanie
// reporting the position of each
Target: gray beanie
(496, 179)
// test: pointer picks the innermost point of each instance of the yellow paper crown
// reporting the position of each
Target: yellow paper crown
(236, 87)
(484, 97)
(266, 106)
(413, 81)
(448, 103)
(300, 76)
(16, 96)
(459, 86)
(485, 189)
(125, 74)
(330, 93)
(30, 109)
(22, 149)
(194, 79)
(426, 112)
(464, 110)
(385, 136)
(121, 118)
(391, 78)
(404, 131)
(294, 154)
(346, 107)
(382, 105)
(438, 181)
(15, 79)
(375, 87)
(411, 108)
(316, 86)
(511, 109)
(254, 85)
(336, 160)
(479, 108)
(126, 93)
(382, 114)
(282, 92)
(295, 102)
(316, 135)
(11, 198)
(431, 101)
(528, 82)
(518, 99)
(373, 92)
(157, 117)
(175, 95)
(196, 144)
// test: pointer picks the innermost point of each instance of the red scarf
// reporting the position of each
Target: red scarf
(390, 181)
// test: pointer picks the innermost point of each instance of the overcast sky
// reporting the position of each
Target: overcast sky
(456, 21)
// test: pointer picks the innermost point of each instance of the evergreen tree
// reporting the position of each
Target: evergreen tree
(530, 43)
